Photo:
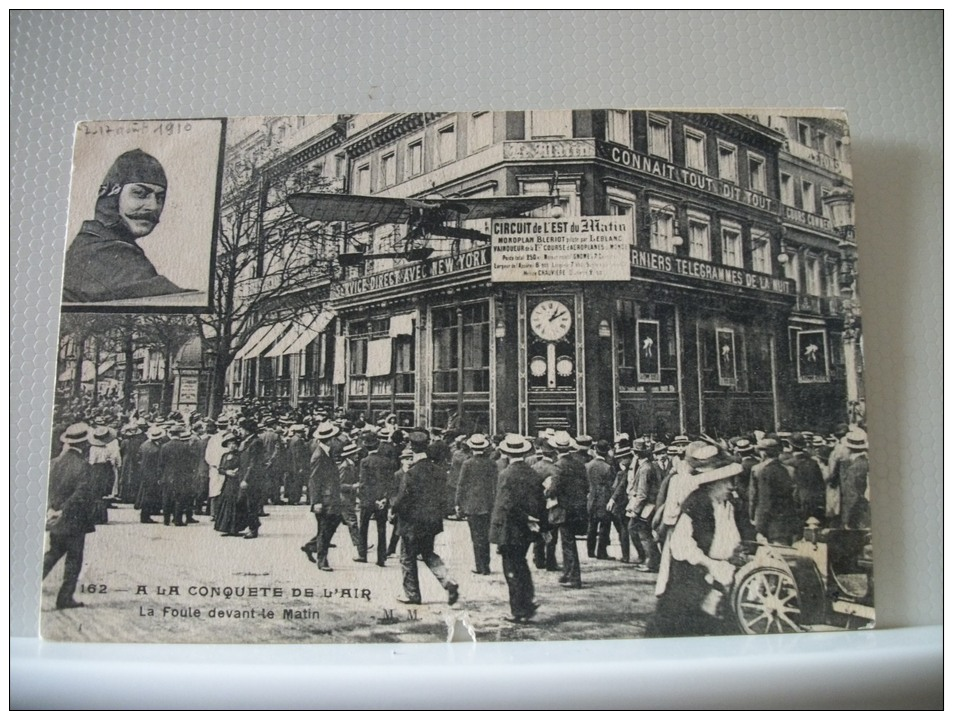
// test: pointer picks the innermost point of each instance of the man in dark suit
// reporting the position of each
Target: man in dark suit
(419, 508)
(570, 488)
(299, 459)
(517, 510)
(811, 490)
(71, 511)
(324, 495)
(375, 489)
(601, 478)
(177, 474)
(772, 500)
(474, 497)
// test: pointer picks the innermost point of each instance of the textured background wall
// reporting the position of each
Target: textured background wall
(884, 68)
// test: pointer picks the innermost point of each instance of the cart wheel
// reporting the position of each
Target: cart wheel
(766, 601)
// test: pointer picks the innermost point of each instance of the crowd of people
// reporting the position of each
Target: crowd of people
(681, 509)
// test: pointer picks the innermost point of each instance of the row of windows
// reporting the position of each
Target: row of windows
(806, 190)
(394, 167)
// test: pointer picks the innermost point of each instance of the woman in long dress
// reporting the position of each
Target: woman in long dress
(701, 552)
(230, 517)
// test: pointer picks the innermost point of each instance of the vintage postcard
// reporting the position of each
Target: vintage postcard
(144, 202)
(476, 375)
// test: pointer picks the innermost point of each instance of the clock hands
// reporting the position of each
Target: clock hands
(555, 315)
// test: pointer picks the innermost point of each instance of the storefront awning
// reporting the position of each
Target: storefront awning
(260, 339)
(317, 326)
(87, 374)
(282, 345)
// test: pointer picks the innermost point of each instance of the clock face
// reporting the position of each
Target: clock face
(550, 320)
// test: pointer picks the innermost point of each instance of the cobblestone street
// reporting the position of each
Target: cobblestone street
(145, 583)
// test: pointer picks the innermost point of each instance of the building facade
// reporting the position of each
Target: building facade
(697, 331)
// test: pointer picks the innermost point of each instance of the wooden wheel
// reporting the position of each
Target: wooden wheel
(766, 601)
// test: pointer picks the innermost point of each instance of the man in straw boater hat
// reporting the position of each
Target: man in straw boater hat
(149, 499)
(419, 507)
(854, 484)
(570, 489)
(350, 507)
(517, 510)
(476, 491)
(324, 495)
(71, 511)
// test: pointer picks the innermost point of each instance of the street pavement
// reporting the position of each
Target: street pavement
(152, 583)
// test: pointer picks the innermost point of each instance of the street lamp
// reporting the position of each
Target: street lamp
(840, 202)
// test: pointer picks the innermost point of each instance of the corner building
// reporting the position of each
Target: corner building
(693, 338)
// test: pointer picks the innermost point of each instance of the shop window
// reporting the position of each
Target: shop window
(404, 365)
(388, 170)
(481, 130)
(550, 124)
(461, 349)
(619, 127)
(362, 185)
(415, 158)
(695, 151)
(807, 196)
(761, 251)
(758, 360)
(756, 173)
(362, 359)
(662, 228)
(731, 246)
(446, 144)
(727, 162)
(660, 137)
(699, 236)
(646, 346)
(787, 189)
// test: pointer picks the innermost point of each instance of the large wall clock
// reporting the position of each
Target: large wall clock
(550, 320)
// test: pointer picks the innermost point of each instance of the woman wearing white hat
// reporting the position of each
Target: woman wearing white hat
(700, 556)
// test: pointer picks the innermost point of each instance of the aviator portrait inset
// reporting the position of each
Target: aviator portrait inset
(104, 262)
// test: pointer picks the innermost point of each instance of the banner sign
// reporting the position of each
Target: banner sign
(569, 249)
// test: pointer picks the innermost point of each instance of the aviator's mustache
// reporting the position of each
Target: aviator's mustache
(150, 216)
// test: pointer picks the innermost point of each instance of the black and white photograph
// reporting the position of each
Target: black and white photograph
(489, 375)
(142, 217)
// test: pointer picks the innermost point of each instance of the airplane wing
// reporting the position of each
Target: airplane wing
(332, 207)
(511, 206)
